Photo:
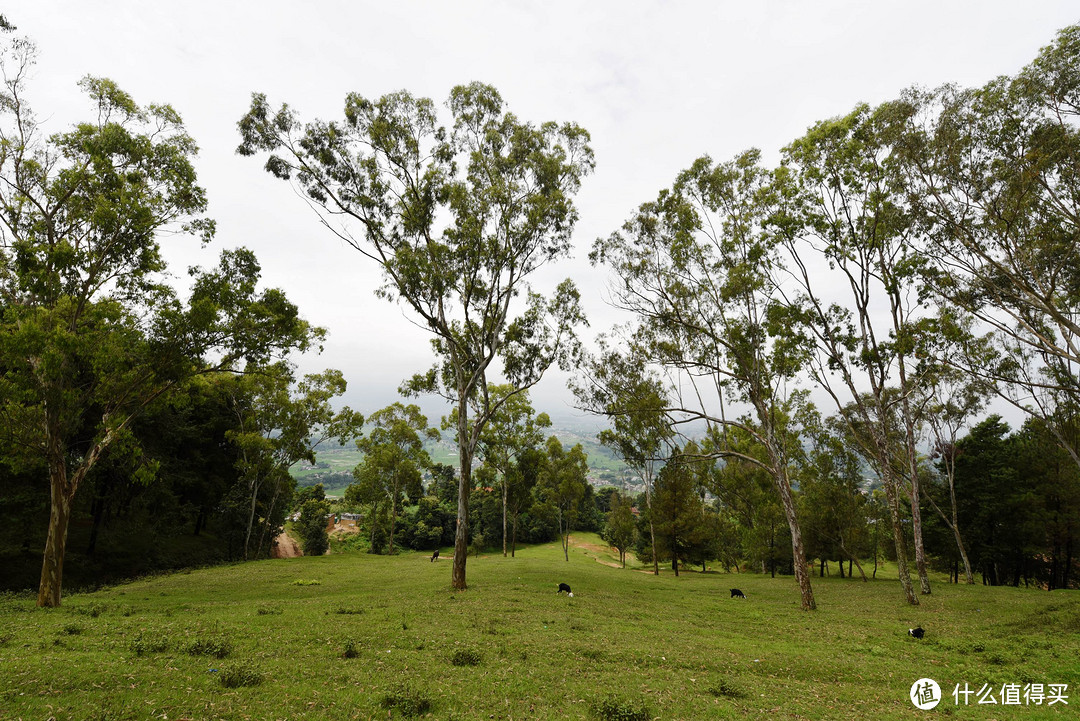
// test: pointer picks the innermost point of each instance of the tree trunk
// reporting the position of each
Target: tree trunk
(52, 566)
(652, 530)
(920, 550)
(565, 532)
(513, 536)
(393, 522)
(465, 451)
(251, 516)
(802, 575)
(1068, 562)
(461, 533)
(898, 540)
(505, 495)
(968, 575)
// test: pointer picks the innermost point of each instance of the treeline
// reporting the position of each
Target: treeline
(903, 265)
(1017, 502)
(528, 489)
(193, 484)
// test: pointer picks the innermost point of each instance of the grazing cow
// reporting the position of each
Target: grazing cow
(736, 593)
(565, 587)
(916, 632)
(435, 556)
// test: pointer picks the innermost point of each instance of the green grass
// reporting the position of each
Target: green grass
(379, 636)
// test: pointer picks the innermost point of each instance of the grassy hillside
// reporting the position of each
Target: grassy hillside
(627, 645)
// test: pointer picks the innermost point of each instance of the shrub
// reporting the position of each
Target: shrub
(726, 690)
(143, 644)
(465, 657)
(237, 676)
(216, 647)
(611, 708)
(346, 611)
(407, 701)
(350, 650)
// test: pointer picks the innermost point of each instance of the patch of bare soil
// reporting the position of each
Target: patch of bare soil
(286, 547)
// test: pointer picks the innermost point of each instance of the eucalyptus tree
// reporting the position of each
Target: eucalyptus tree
(832, 495)
(620, 529)
(848, 232)
(394, 455)
(992, 173)
(524, 477)
(513, 428)
(92, 334)
(561, 486)
(459, 219)
(280, 422)
(619, 386)
(949, 400)
(700, 272)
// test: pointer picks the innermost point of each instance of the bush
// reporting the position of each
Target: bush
(465, 657)
(237, 676)
(611, 708)
(726, 690)
(216, 647)
(407, 701)
(153, 643)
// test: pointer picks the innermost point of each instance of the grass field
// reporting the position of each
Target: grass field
(353, 636)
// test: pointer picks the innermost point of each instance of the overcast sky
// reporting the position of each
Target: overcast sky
(657, 84)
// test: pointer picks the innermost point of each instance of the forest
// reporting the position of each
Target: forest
(813, 376)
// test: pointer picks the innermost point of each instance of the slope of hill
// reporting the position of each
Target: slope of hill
(360, 636)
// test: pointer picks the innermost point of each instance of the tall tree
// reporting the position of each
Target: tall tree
(280, 423)
(700, 271)
(562, 486)
(92, 335)
(992, 173)
(846, 226)
(620, 387)
(394, 454)
(513, 429)
(459, 219)
(949, 399)
(620, 530)
(524, 475)
(677, 512)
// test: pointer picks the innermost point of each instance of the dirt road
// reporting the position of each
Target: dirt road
(287, 547)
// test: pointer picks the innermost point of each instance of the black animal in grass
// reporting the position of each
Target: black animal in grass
(435, 556)
(565, 587)
(736, 593)
(916, 632)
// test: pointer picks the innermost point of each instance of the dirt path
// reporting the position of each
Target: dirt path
(286, 547)
(595, 552)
